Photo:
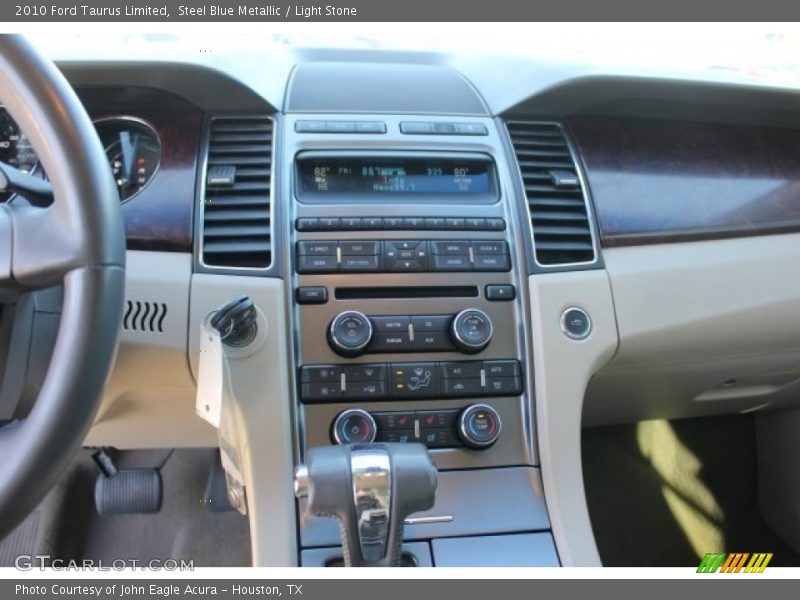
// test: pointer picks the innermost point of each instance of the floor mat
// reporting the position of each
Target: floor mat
(185, 528)
(663, 493)
(21, 541)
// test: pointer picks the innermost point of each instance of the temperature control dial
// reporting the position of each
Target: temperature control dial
(471, 330)
(479, 426)
(354, 426)
(350, 333)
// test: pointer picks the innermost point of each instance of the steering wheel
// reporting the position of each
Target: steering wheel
(77, 241)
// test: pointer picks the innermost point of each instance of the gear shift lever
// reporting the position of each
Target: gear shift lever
(370, 489)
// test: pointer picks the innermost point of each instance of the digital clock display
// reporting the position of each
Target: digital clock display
(428, 176)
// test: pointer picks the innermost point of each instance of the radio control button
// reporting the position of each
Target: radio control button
(430, 323)
(370, 127)
(454, 223)
(350, 223)
(321, 248)
(495, 224)
(317, 264)
(475, 223)
(490, 247)
(472, 129)
(359, 248)
(329, 224)
(500, 292)
(434, 222)
(340, 126)
(392, 222)
(407, 266)
(364, 264)
(450, 247)
(307, 224)
(451, 263)
(312, 295)
(372, 223)
(431, 341)
(391, 324)
(349, 333)
(391, 342)
(416, 127)
(413, 223)
(309, 126)
(492, 262)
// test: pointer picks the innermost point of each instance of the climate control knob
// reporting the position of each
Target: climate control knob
(354, 426)
(350, 333)
(471, 330)
(479, 426)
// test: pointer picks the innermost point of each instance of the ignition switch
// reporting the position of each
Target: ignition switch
(236, 322)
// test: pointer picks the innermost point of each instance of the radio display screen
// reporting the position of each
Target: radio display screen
(386, 175)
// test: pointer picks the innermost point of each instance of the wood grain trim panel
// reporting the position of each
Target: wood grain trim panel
(674, 181)
(159, 217)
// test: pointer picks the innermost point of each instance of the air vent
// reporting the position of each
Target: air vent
(236, 206)
(144, 316)
(562, 233)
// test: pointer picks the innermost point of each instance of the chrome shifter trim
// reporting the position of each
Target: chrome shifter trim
(371, 473)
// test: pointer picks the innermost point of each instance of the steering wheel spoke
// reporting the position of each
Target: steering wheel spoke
(36, 250)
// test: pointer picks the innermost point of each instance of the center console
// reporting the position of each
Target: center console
(408, 295)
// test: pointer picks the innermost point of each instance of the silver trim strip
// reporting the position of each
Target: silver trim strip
(429, 520)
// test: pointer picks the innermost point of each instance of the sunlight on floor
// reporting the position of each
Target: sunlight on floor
(693, 505)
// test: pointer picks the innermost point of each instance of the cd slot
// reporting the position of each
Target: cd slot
(393, 292)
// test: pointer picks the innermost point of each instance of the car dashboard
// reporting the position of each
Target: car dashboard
(436, 258)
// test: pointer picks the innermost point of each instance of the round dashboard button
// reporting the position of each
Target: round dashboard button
(349, 333)
(354, 426)
(479, 426)
(576, 323)
(471, 330)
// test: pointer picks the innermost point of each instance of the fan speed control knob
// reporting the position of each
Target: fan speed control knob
(479, 426)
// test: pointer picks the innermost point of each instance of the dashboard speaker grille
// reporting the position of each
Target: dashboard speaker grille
(559, 213)
(237, 230)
